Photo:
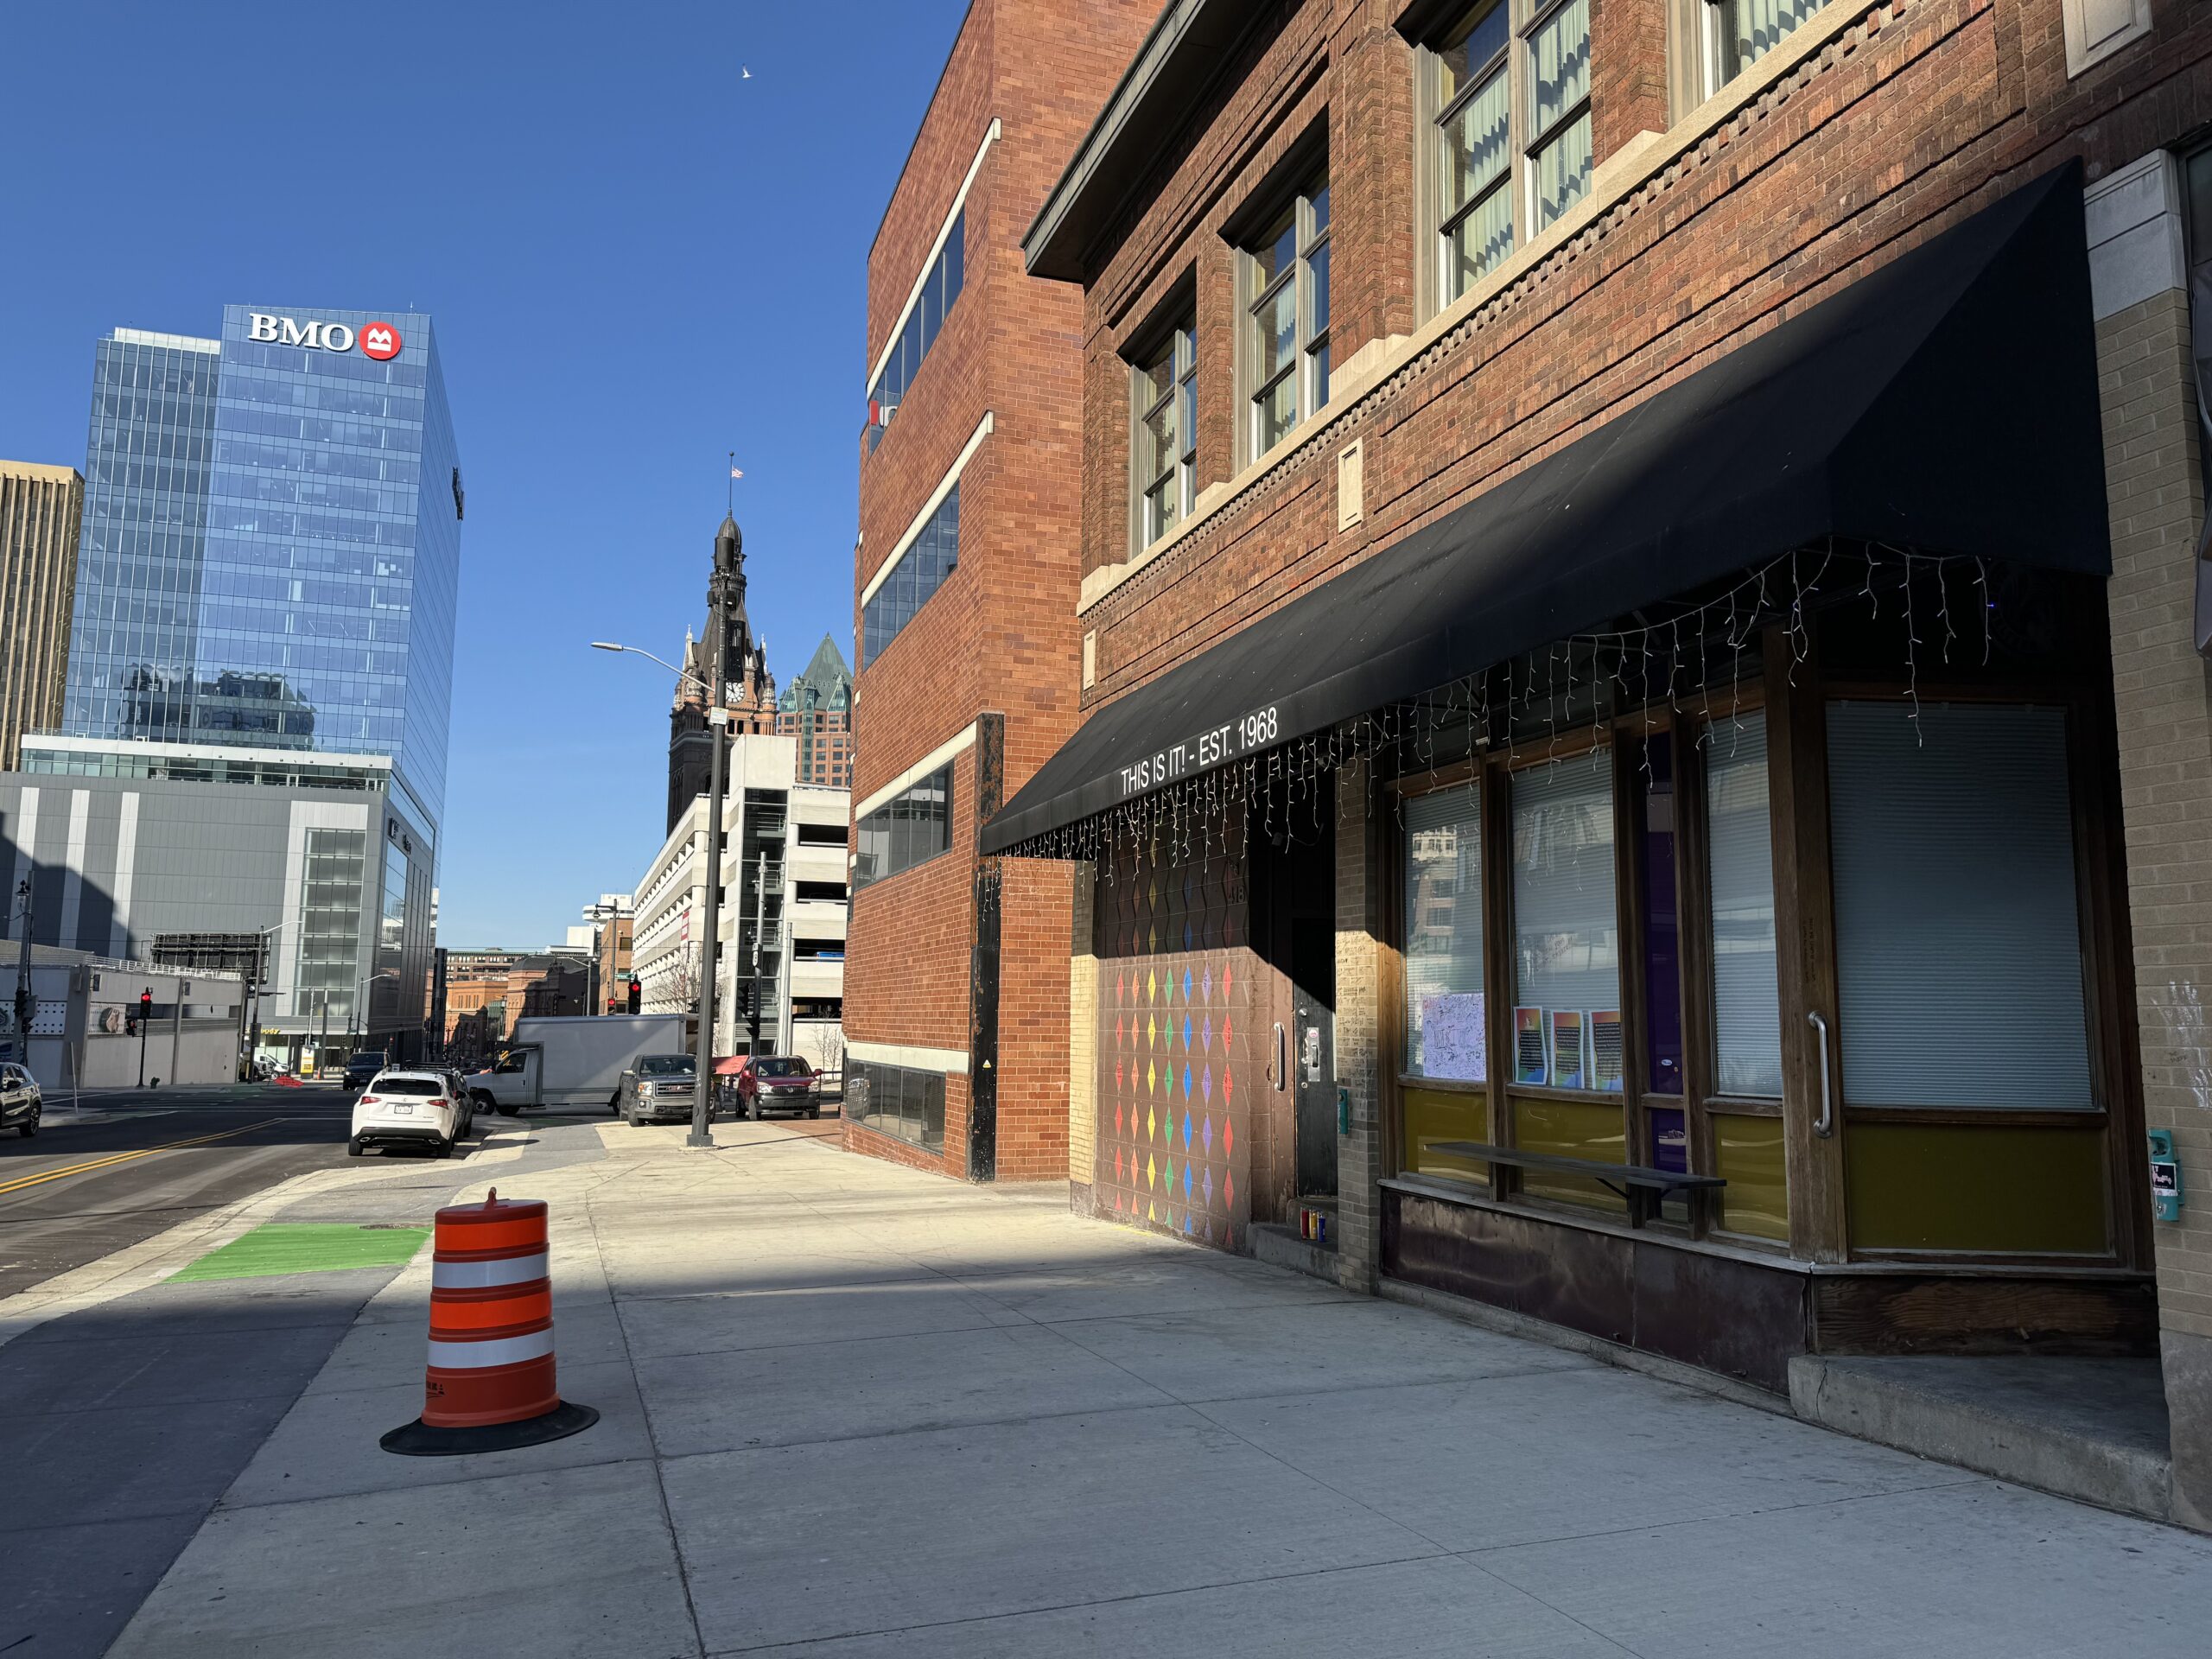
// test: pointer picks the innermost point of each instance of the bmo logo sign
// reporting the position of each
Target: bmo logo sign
(379, 340)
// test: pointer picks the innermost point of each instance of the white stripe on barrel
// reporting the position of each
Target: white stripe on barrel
(496, 1350)
(482, 1275)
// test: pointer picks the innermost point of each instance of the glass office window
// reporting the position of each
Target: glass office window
(1958, 927)
(1446, 1032)
(1473, 146)
(1559, 110)
(916, 574)
(1746, 995)
(1566, 1030)
(898, 1100)
(918, 329)
(907, 830)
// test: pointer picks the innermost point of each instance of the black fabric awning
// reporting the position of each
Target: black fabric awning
(1947, 402)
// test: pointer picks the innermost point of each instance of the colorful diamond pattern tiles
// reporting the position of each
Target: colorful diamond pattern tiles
(1175, 988)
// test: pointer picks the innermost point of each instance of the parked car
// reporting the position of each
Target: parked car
(21, 1103)
(409, 1106)
(779, 1083)
(660, 1087)
(363, 1066)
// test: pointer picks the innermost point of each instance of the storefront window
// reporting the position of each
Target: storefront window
(1958, 929)
(1446, 1034)
(1567, 1021)
(1746, 1000)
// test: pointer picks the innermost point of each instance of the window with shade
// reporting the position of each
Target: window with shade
(1566, 993)
(1472, 90)
(1166, 447)
(1559, 157)
(1959, 960)
(1506, 132)
(1286, 284)
(1738, 33)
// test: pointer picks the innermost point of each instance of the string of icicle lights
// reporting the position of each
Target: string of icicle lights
(1671, 661)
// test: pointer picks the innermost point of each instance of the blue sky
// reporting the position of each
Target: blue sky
(638, 262)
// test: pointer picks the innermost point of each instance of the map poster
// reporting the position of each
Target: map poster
(1529, 1046)
(1455, 1037)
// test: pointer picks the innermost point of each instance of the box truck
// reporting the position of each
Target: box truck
(573, 1060)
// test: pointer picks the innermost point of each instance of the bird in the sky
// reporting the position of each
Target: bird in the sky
(744, 74)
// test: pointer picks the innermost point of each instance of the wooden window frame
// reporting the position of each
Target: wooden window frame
(1793, 691)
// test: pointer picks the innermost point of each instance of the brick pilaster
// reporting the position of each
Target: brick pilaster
(2163, 706)
(1361, 1045)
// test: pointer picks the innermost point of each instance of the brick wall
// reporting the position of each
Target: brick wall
(999, 636)
(1866, 134)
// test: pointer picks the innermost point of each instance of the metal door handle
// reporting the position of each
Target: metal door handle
(1824, 1125)
(1282, 1058)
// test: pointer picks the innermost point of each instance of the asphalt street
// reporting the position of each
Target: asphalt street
(133, 1163)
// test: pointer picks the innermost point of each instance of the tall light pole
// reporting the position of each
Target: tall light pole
(26, 1003)
(730, 558)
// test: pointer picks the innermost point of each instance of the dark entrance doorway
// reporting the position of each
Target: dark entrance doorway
(1291, 834)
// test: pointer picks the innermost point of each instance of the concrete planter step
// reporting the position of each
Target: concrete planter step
(2092, 1429)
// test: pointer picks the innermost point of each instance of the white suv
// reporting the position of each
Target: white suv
(409, 1106)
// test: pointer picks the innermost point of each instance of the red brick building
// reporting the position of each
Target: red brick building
(965, 577)
(1644, 741)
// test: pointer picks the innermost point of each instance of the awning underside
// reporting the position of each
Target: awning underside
(1946, 403)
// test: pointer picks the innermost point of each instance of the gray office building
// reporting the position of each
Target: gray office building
(251, 764)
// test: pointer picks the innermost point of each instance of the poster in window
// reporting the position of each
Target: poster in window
(1569, 1070)
(1605, 1049)
(1455, 1037)
(1529, 1046)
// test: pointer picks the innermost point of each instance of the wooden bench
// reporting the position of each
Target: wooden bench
(1645, 1190)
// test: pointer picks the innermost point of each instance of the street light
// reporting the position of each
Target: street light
(729, 561)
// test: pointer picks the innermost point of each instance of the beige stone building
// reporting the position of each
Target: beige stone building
(40, 508)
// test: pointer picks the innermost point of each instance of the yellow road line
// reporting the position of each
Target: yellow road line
(125, 1157)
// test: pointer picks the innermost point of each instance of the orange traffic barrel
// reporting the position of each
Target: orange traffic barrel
(490, 1382)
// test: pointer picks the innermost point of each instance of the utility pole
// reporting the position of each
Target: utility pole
(176, 1031)
(729, 559)
(322, 1043)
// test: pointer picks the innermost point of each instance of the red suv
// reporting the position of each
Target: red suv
(777, 1082)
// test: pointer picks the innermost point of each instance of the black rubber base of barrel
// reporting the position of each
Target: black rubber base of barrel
(419, 1439)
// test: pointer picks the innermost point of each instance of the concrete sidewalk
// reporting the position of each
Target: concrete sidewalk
(849, 1409)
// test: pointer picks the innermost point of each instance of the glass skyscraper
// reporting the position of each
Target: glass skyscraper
(271, 544)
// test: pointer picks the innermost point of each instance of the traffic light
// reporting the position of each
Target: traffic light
(637, 994)
(745, 998)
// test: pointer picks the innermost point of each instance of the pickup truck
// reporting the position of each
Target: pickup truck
(573, 1060)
